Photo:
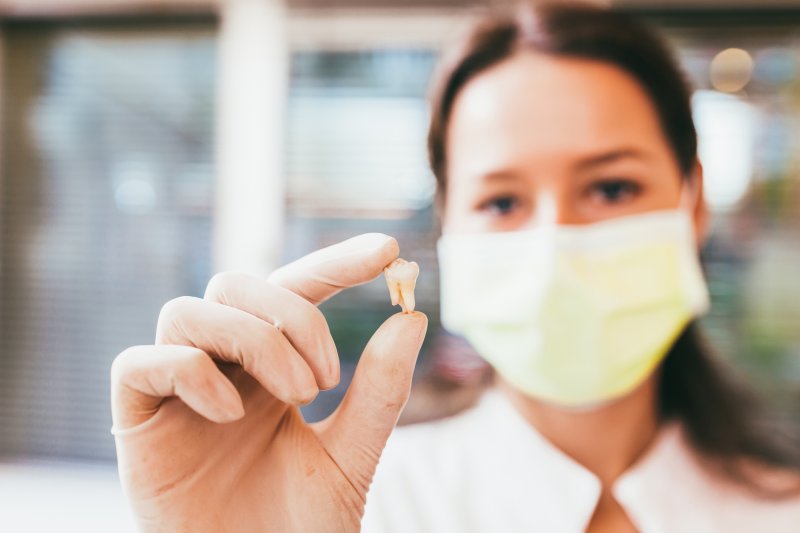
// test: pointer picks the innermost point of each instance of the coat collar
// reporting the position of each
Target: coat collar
(667, 489)
(548, 483)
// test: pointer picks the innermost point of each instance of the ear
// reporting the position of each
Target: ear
(701, 214)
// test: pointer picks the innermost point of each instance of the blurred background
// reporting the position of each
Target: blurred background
(146, 144)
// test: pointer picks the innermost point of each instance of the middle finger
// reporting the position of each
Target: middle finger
(235, 336)
(299, 320)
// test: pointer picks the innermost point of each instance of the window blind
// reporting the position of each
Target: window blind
(106, 214)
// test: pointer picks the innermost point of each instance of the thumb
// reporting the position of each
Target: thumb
(355, 434)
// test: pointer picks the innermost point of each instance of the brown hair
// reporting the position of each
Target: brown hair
(719, 415)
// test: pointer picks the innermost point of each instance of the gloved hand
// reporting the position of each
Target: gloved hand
(208, 433)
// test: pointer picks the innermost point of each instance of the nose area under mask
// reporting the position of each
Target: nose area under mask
(552, 209)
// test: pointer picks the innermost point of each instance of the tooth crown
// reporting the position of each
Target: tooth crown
(401, 277)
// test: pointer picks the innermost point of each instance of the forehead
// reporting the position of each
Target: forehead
(535, 107)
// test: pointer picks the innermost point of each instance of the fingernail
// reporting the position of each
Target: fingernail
(308, 396)
(331, 365)
(330, 373)
(232, 413)
(303, 384)
(228, 401)
(376, 240)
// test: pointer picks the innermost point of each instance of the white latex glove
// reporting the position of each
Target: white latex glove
(209, 436)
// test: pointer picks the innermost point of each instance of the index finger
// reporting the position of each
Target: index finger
(321, 274)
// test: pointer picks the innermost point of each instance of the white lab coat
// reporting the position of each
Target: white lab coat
(487, 470)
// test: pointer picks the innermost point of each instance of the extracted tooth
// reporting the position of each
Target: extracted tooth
(394, 289)
(401, 277)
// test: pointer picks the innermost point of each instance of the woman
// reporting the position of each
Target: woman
(571, 198)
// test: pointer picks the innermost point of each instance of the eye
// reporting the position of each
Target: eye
(500, 206)
(614, 191)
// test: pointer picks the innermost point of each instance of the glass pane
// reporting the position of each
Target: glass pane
(106, 214)
(747, 114)
(356, 163)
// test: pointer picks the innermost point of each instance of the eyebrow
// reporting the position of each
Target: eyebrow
(585, 163)
(497, 175)
(605, 158)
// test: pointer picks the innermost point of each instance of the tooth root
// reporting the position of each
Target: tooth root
(394, 292)
(407, 300)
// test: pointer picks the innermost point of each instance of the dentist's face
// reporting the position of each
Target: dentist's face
(539, 139)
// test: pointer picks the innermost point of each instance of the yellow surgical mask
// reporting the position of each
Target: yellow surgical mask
(574, 315)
